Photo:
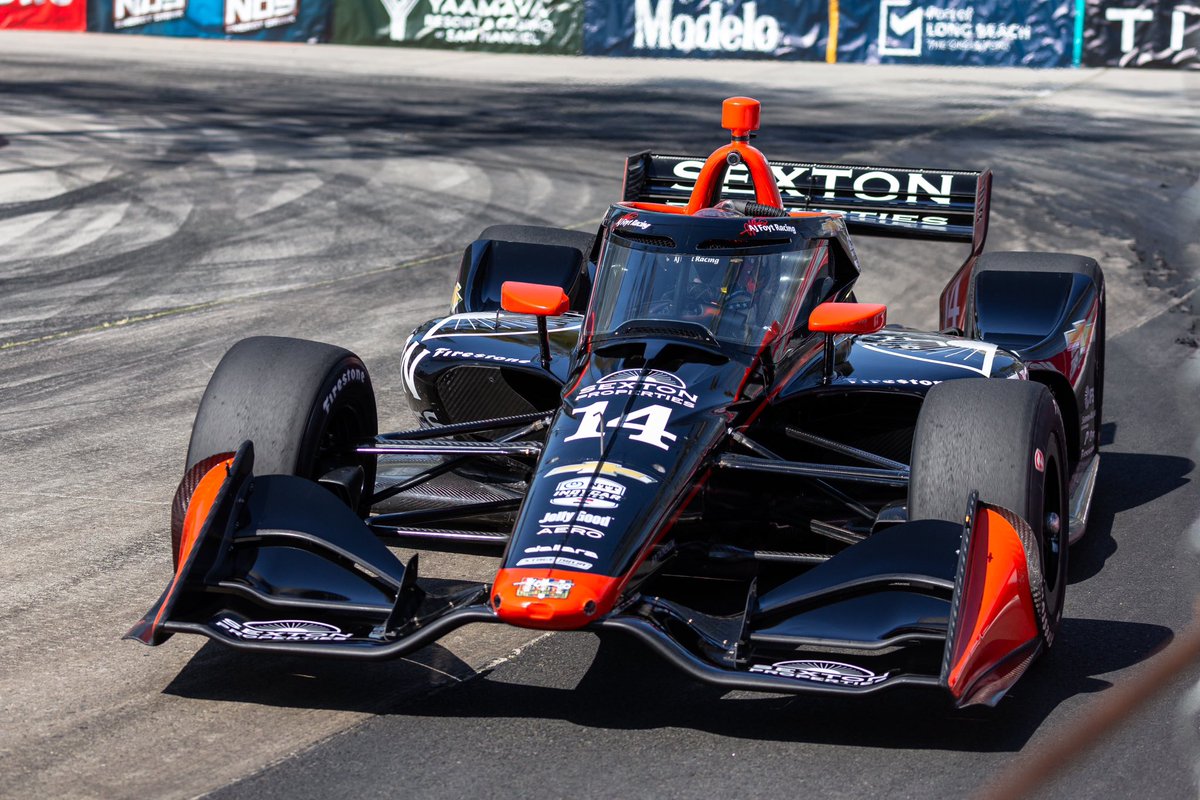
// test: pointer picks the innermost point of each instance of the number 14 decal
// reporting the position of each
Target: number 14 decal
(649, 424)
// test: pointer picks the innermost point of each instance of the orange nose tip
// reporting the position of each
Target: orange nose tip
(739, 115)
(551, 599)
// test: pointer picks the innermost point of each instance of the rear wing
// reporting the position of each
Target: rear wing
(946, 205)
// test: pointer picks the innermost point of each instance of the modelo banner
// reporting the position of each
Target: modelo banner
(279, 20)
(789, 29)
(1027, 33)
(507, 26)
(46, 15)
(1142, 34)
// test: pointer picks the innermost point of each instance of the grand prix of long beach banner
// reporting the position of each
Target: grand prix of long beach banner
(280, 20)
(1142, 33)
(1028, 33)
(777, 29)
(508, 26)
(46, 15)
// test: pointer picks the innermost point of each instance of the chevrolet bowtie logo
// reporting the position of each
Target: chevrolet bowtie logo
(600, 468)
(1079, 335)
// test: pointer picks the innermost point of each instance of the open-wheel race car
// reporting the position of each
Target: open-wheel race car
(686, 428)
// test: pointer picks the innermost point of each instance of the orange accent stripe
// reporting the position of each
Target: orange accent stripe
(533, 298)
(997, 602)
(848, 318)
(708, 185)
(197, 512)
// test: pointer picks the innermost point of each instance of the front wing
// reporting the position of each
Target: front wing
(279, 564)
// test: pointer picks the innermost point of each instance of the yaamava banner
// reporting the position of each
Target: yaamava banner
(509, 26)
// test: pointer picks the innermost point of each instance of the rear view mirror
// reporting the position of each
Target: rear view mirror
(847, 318)
(539, 299)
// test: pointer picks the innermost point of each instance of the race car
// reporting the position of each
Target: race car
(685, 428)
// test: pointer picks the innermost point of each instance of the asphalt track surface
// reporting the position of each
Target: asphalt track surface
(161, 199)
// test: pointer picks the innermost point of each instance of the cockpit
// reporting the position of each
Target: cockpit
(738, 294)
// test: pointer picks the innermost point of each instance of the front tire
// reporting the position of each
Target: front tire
(1004, 439)
(305, 405)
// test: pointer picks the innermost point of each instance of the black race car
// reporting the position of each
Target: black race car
(684, 427)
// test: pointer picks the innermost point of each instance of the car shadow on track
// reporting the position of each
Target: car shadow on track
(629, 688)
(622, 686)
(221, 673)
(626, 687)
(1125, 481)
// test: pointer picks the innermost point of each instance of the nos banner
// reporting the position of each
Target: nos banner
(507, 26)
(790, 29)
(281, 20)
(1142, 34)
(47, 15)
(1028, 33)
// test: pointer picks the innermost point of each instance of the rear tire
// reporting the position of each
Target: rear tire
(980, 434)
(304, 405)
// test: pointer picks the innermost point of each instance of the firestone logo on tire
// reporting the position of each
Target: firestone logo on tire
(354, 375)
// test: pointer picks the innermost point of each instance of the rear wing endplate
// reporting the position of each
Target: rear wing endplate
(948, 205)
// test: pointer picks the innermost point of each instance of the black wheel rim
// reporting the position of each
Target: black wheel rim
(1053, 540)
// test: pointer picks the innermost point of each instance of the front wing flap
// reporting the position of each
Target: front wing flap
(280, 564)
(924, 603)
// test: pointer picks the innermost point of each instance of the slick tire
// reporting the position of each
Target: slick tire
(981, 434)
(303, 404)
